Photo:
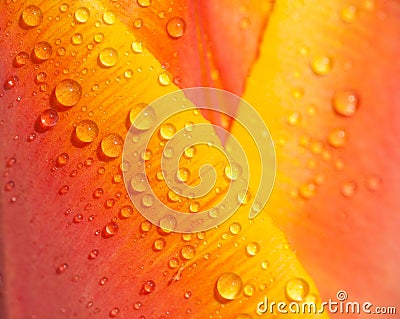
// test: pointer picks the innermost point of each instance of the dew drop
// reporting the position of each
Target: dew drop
(297, 289)
(62, 159)
(164, 78)
(147, 200)
(252, 248)
(82, 14)
(183, 174)
(349, 13)
(244, 196)
(321, 65)
(148, 287)
(233, 171)
(167, 131)
(10, 83)
(144, 3)
(112, 145)
(176, 27)
(374, 183)
(126, 211)
(229, 285)
(77, 38)
(194, 207)
(68, 92)
(9, 186)
(235, 228)
(114, 312)
(168, 223)
(42, 50)
(111, 229)
(137, 23)
(49, 118)
(159, 244)
(337, 138)
(21, 59)
(173, 262)
(110, 202)
(139, 182)
(294, 118)
(63, 7)
(109, 17)
(98, 193)
(188, 252)
(345, 103)
(307, 190)
(264, 264)
(190, 151)
(86, 131)
(137, 305)
(98, 37)
(249, 290)
(32, 16)
(93, 254)
(63, 190)
(187, 294)
(137, 46)
(77, 218)
(108, 57)
(62, 268)
(348, 189)
(103, 281)
(145, 226)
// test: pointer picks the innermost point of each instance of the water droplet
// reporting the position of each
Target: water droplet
(337, 138)
(233, 171)
(137, 23)
(103, 281)
(77, 38)
(111, 229)
(348, 189)
(114, 312)
(112, 145)
(110, 202)
(82, 14)
(252, 248)
(10, 82)
(62, 268)
(126, 211)
(294, 118)
(145, 226)
(49, 118)
(183, 174)
(374, 183)
(244, 196)
(139, 182)
(86, 131)
(349, 13)
(264, 264)
(213, 212)
(42, 50)
(63, 190)
(144, 3)
(21, 59)
(173, 262)
(98, 193)
(32, 16)
(249, 290)
(168, 223)
(176, 27)
(187, 294)
(194, 207)
(188, 252)
(159, 244)
(137, 46)
(322, 65)
(68, 92)
(108, 57)
(297, 289)
(187, 237)
(235, 228)
(148, 287)
(229, 285)
(307, 190)
(109, 17)
(164, 78)
(93, 254)
(168, 152)
(345, 103)
(146, 155)
(77, 218)
(63, 7)
(167, 131)
(147, 200)
(62, 159)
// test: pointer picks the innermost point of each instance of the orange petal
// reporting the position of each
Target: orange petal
(72, 244)
(330, 100)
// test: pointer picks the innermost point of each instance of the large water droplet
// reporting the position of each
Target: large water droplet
(252, 248)
(188, 252)
(42, 50)
(32, 16)
(82, 14)
(68, 92)
(229, 285)
(112, 145)
(108, 57)
(86, 131)
(297, 289)
(167, 131)
(176, 27)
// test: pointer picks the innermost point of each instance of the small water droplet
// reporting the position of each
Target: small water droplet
(21, 59)
(110, 229)
(235, 228)
(93, 254)
(82, 14)
(176, 27)
(109, 17)
(32, 16)
(307, 190)
(62, 268)
(68, 92)
(188, 252)
(337, 138)
(126, 212)
(49, 118)
(249, 290)
(164, 78)
(252, 248)
(167, 131)
(42, 50)
(137, 305)
(348, 189)
(233, 171)
(183, 174)
(63, 190)
(10, 82)
(139, 182)
(137, 46)
(187, 294)
(112, 145)
(148, 287)
(144, 3)
(345, 103)
(114, 312)
(173, 262)
(86, 131)
(229, 285)
(321, 65)
(103, 281)
(297, 289)
(374, 183)
(77, 218)
(159, 244)
(145, 226)
(137, 23)
(77, 38)
(108, 57)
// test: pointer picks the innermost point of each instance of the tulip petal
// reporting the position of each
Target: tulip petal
(331, 101)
